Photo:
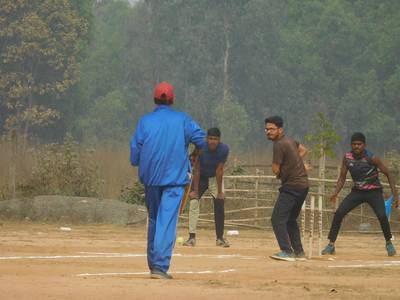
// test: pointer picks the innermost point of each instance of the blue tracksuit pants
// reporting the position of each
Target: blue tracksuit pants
(163, 208)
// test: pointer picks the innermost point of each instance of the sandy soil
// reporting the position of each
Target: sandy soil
(40, 261)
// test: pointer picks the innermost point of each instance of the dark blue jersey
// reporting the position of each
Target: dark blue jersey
(209, 161)
(364, 173)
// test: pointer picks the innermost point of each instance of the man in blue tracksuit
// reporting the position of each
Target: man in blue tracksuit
(159, 147)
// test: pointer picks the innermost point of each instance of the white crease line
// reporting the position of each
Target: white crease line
(375, 265)
(221, 256)
(107, 253)
(122, 255)
(147, 273)
(377, 261)
(69, 256)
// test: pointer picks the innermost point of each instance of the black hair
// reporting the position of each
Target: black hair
(161, 101)
(278, 121)
(358, 136)
(214, 132)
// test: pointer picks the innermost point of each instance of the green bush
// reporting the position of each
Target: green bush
(238, 170)
(4, 192)
(63, 170)
(133, 194)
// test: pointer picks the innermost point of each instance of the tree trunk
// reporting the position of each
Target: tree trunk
(13, 163)
(27, 125)
(227, 29)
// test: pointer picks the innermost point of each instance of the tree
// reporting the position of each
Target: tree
(323, 139)
(108, 119)
(291, 58)
(233, 121)
(39, 46)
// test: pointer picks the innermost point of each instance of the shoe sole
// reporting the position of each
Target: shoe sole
(186, 245)
(282, 258)
(300, 259)
(333, 253)
(159, 276)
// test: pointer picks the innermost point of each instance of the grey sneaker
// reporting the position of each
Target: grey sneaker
(391, 251)
(222, 243)
(283, 255)
(329, 249)
(301, 256)
(190, 242)
(158, 274)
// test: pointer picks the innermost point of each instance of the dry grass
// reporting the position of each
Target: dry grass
(13, 161)
(115, 170)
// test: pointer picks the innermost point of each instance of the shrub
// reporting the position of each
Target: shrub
(62, 169)
(133, 194)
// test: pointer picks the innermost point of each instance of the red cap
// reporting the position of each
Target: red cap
(164, 91)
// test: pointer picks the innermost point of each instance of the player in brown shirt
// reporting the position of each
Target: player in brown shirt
(288, 166)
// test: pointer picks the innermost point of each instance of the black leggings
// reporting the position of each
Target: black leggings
(374, 198)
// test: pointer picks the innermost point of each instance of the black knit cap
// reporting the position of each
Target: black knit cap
(358, 136)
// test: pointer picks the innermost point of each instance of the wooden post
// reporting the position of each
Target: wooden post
(337, 202)
(303, 221)
(321, 172)
(320, 224)
(235, 164)
(256, 196)
(311, 236)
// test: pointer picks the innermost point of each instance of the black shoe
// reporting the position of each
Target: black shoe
(158, 274)
(300, 256)
(190, 242)
(222, 243)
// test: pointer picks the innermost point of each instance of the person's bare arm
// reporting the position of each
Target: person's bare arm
(277, 159)
(392, 183)
(302, 150)
(219, 174)
(194, 155)
(341, 181)
(194, 194)
(276, 169)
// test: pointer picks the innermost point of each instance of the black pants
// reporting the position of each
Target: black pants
(284, 218)
(374, 198)
(219, 208)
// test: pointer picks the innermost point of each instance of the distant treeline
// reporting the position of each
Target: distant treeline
(89, 67)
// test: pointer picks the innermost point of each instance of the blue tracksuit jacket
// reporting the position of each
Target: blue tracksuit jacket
(159, 146)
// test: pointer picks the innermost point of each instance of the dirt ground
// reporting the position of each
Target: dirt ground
(41, 261)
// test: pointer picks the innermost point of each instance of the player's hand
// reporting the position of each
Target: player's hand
(192, 158)
(221, 196)
(193, 195)
(307, 166)
(334, 198)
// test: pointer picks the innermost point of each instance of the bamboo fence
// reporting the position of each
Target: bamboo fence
(251, 198)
